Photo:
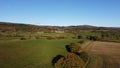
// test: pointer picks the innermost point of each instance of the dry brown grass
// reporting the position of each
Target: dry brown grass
(108, 54)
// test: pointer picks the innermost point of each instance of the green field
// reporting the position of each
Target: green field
(31, 53)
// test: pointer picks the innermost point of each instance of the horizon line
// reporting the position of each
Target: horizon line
(25, 23)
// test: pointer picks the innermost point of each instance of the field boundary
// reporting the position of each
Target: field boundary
(86, 46)
(86, 63)
(87, 51)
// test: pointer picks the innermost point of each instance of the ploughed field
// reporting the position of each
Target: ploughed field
(103, 54)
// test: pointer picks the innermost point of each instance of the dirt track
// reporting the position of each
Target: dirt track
(104, 54)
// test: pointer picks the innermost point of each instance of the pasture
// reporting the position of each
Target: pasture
(31, 53)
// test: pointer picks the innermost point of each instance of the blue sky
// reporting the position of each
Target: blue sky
(61, 12)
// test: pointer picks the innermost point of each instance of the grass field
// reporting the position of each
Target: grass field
(31, 53)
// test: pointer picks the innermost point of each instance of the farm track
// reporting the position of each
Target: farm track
(104, 54)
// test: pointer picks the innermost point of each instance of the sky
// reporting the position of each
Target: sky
(61, 12)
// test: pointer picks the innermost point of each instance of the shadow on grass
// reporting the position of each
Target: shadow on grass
(68, 48)
(55, 59)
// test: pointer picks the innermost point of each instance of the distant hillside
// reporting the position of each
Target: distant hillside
(13, 27)
(5, 26)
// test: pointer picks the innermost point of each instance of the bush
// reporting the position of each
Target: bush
(74, 38)
(73, 47)
(61, 37)
(37, 37)
(81, 42)
(83, 55)
(94, 38)
(79, 37)
(23, 38)
(76, 57)
(70, 60)
(55, 59)
(50, 38)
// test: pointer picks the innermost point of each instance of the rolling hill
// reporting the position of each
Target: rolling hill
(17, 27)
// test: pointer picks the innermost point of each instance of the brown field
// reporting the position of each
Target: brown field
(103, 54)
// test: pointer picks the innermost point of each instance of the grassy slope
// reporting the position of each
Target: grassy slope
(30, 53)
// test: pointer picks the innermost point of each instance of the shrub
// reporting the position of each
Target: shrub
(83, 55)
(37, 37)
(50, 38)
(73, 37)
(70, 60)
(73, 47)
(81, 41)
(79, 37)
(76, 57)
(61, 37)
(94, 38)
(55, 59)
(23, 38)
